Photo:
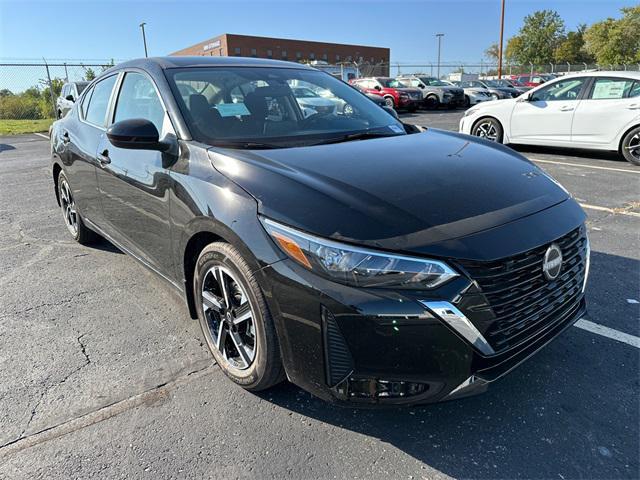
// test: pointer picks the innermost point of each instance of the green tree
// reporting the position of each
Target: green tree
(538, 38)
(615, 41)
(492, 52)
(5, 92)
(89, 74)
(572, 48)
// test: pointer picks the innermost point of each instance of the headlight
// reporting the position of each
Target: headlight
(355, 266)
(471, 111)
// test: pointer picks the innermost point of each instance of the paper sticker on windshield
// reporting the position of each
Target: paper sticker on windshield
(395, 128)
(232, 109)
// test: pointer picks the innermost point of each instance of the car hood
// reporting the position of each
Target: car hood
(401, 193)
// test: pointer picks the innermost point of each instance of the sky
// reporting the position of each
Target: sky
(93, 29)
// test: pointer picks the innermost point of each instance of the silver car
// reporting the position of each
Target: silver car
(68, 95)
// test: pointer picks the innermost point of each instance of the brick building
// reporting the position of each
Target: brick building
(291, 50)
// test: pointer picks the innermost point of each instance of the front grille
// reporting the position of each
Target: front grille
(518, 299)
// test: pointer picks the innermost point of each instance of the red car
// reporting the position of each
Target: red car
(534, 80)
(395, 94)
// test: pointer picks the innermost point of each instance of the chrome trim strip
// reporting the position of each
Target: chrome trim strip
(587, 263)
(460, 323)
(468, 384)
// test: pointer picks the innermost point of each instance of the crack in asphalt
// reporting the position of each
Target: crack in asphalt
(102, 413)
(34, 411)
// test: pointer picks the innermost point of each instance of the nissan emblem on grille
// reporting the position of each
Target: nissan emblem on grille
(552, 263)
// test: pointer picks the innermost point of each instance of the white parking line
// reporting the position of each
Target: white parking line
(42, 135)
(608, 332)
(596, 167)
(609, 210)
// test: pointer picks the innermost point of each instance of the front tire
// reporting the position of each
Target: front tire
(389, 102)
(431, 102)
(630, 146)
(70, 214)
(235, 319)
(488, 128)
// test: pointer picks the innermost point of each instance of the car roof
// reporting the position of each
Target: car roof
(201, 61)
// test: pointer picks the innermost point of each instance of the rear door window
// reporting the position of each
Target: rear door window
(611, 88)
(96, 113)
(85, 102)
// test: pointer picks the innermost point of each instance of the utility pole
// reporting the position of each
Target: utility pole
(501, 42)
(144, 39)
(439, 36)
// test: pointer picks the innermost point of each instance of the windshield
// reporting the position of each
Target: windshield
(391, 83)
(264, 107)
(434, 82)
(493, 83)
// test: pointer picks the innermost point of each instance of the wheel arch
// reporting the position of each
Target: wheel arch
(56, 169)
(199, 233)
(624, 134)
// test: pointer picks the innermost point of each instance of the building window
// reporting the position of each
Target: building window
(337, 58)
(284, 54)
(373, 60)
(237, 51)
(254, 52)
(298, 55)
(269, 53)
(349, 58)
(312, 56)
(325, 56)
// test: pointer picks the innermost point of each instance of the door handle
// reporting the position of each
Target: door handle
(566, 108)
(103, 158)
(634, 106)
(65, 137)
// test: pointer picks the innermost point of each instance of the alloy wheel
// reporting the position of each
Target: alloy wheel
(68, 206)
(389, 102)
(486, 130)
(230, 318)
(633, 146)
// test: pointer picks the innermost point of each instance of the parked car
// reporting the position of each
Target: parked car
(495, 91)
(526, 80)
(395, 93)
(364, 259)
(473, 95)
(68, 95)
(312, 103)
(599, 110)
(503, 82)
(435, 92)
(377, 99)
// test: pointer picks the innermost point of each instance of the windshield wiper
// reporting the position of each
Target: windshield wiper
(357, 136)
(247, 145)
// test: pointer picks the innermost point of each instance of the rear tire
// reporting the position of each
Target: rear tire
(389, 102)
(488, 128)
(70, 214)
(226, 291)
(630, 146)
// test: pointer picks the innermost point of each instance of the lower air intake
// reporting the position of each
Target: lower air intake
(338, 361)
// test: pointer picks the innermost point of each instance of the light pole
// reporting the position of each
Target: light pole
(439, 36)
(501, 42)
(144, 38)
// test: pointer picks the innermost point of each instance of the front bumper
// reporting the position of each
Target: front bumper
(375, 346)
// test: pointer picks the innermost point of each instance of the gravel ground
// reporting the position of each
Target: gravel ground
(103, 374)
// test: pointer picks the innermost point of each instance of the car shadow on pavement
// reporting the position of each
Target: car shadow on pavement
(6, 146)
(106, 246)
(569, 412)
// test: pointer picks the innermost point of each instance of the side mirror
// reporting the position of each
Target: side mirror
(421, 85)
(70, 98)
(136, 134)
(391, 111)
(378, 87)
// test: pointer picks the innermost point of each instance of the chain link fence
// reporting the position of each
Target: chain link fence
(28, 91)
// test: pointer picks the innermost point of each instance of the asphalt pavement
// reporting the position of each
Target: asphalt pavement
(103, 374)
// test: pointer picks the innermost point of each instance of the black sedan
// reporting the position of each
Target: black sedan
(361, 258)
